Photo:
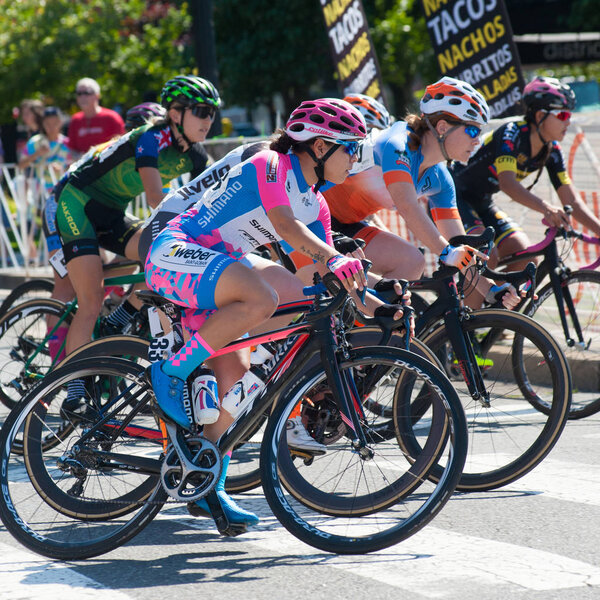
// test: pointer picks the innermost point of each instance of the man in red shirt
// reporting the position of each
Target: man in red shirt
(94, 124)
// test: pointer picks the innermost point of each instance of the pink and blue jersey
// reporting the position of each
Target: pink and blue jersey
(228, 221)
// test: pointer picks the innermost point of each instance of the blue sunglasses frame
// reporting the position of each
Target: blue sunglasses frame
(351, 147)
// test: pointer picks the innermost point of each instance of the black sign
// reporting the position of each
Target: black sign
(472, 40)
(532, 53)
(351, 47)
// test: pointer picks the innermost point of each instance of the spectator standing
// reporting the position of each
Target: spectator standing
(94, 124)
(30, 112)
(48, 151)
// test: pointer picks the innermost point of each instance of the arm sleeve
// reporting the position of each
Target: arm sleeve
(271, 168)
(146, 150)
(505, 155)
(395, 160)
(557, 170)
(442, 203)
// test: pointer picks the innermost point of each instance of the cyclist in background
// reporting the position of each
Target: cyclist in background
(136, 116)
(508, 155)
(92, 203)
(197, 260)
(404, 163)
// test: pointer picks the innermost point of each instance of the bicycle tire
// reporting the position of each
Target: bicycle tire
(244, 469)
(584, 360)
(122, 345)
(33, 289)
(510, 437)
(316, 504)
(22, 331)
(45, 510)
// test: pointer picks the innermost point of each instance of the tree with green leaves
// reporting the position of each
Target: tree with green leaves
(129, 47)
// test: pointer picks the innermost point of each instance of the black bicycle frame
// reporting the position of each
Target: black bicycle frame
(552, 266)
(447, 307)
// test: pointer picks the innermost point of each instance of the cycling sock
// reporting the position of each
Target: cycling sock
(122, 314)
(75, 390)
(56, 341)
(193, 354)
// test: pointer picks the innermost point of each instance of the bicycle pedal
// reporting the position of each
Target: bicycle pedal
(234, 530)
(196, 511)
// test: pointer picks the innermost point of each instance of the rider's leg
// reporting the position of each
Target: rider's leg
(392, 257)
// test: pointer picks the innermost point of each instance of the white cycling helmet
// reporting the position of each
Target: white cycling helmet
(457, 98)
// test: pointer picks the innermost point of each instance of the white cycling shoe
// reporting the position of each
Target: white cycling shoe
(298, 437)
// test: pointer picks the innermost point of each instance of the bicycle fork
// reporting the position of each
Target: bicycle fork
(462, 347)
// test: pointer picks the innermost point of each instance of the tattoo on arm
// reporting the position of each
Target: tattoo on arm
(317, 256)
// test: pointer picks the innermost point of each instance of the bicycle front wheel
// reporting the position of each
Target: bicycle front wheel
(24, 355)
(354, 501)
(98, 485)
(244, 469)
(583, 354)
(34, 289)
(522, 365)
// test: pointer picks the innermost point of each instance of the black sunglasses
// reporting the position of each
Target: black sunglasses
(83, 93)
(203, 111)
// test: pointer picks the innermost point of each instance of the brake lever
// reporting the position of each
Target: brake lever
(367, 264)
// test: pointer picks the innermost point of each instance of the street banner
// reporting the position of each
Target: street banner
(473, 41)
(351, 48)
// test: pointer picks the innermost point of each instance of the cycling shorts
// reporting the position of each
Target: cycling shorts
(49, 224)
(85, 225)
(487, 216)
(363, 230)
(181, 270)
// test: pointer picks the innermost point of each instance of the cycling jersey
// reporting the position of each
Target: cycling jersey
(228, 221)
(179, 200)
(111, 177)
(508, 148)
(386, 158)
(93, 199)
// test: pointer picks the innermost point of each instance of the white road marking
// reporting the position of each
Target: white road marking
(26, 576)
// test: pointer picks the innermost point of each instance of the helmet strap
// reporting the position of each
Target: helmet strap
(537, 127)
(320, 166)
(181, 131)
(441, 138)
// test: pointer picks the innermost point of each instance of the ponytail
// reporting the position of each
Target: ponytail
(281, 142)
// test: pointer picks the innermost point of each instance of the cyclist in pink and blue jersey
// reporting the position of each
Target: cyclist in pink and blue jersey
(196, 261)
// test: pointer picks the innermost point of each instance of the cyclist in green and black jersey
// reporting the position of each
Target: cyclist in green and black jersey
(512, 152)
(92, 203)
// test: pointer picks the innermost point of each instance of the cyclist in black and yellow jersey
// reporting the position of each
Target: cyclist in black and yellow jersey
(92, 203)
(508, 155)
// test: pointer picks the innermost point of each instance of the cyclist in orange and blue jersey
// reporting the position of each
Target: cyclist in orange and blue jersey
(405, 163)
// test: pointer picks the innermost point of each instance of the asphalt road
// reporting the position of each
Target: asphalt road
(537, 538)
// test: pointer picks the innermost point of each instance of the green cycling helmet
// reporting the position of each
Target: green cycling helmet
(189, 90)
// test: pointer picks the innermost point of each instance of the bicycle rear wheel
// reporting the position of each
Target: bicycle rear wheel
(583, 356)
(522, 365)
(350, 502)
(98, 486)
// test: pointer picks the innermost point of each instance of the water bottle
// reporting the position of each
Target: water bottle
(204, 397)
(262, 353)
(242, 394)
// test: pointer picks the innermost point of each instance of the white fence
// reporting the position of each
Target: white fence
(22, 197)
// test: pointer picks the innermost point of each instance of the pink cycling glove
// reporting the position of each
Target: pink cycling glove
(344, 266)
